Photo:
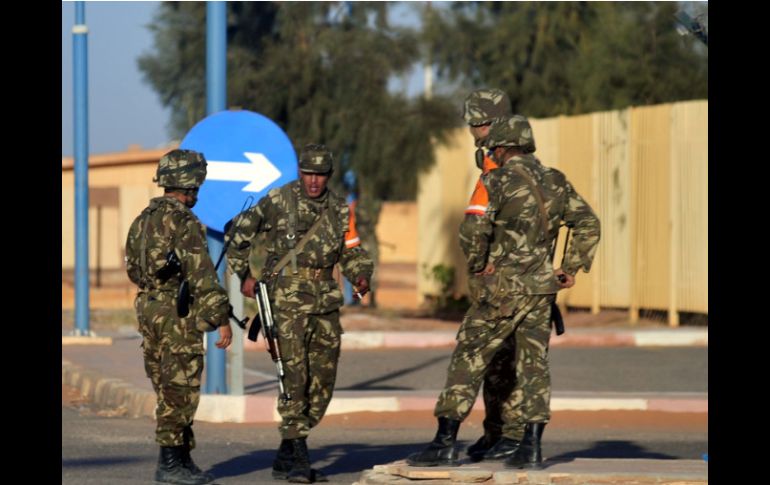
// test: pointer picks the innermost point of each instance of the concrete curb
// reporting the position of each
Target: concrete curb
(113, 393)
(679, 337)
(108, 392)
(576, 338)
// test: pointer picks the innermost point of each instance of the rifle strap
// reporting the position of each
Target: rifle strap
(301, 244)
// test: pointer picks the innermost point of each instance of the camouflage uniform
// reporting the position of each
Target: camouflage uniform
(482, 107)
(173, 346)
(306, 303)
(514, 301)
(515, 235)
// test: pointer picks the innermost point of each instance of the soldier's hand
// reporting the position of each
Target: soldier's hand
(248, 287)
(488, 270)
(362, 285)
(564, 279)
(225, 336)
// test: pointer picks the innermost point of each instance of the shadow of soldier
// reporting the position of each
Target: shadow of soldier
(244, 464)
(331, 460)
(357, 457)
(609, 449)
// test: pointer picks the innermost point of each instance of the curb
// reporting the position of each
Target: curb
(108, 392)
(578, 338)
(115, 393)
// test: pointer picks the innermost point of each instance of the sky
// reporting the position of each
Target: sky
(122, 108)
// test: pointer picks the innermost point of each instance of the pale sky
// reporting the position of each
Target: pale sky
(122, 109)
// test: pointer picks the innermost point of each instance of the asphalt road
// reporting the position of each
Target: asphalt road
(97, 449)
(601, 369)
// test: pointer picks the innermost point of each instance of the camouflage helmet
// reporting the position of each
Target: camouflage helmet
(315, 158)
(485, 105)
(514, 131)
(181, 169)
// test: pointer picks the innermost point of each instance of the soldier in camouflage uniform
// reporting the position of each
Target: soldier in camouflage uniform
(304, 296)
(481, 108)
(521, 206)
(167, 245)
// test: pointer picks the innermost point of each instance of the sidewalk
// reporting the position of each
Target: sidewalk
(567, 472)
(113, 375)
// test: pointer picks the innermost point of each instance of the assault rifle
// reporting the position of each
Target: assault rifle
(264, 320)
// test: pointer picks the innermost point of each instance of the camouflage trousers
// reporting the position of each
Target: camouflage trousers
(310, 347)
(173, 366)
(479, 340)
(499, 382)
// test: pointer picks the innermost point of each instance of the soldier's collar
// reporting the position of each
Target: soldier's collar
(157, 201)
(525, 159)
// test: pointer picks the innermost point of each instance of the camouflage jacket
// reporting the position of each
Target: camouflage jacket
(504, 227)
(168, 225)
(336, 241)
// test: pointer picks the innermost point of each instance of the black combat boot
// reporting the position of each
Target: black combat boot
(187, 460)
(284, 460)
(504, 448)
(300, 470)
(171, 470)
(476, 450)
(441, 450)
(528, 455)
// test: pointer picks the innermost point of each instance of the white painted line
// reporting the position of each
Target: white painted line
(221, 409)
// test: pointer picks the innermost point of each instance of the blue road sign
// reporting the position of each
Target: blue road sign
(247, 154)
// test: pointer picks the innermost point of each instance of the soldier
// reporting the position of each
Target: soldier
(304, 296)
(166, 245)
(481, 108)
(521, 206)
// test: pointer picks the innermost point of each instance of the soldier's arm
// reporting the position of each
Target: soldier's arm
(132, 252)
(586, 231)
(242, 233)
(354, 260)
(210, 299)
(476, 229)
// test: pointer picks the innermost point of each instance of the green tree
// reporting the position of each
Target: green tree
(568, 57)
(318, 69)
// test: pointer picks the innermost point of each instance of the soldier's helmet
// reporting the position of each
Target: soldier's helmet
(514, 131)
(315, 158)
(485, 105)
(181, 169)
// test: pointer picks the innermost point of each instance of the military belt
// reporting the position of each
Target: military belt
(316, 274)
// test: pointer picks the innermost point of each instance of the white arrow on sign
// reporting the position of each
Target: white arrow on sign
(259, 171)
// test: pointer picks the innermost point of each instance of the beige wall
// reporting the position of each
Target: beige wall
(643, 170)
(397, 232)
(108, 226)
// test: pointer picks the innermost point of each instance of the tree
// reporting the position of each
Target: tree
(557, 58)
(320, 70)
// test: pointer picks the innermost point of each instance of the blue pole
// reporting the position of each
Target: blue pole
(216, 101)
(216, 57)
(80, 68)
(216, 363)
